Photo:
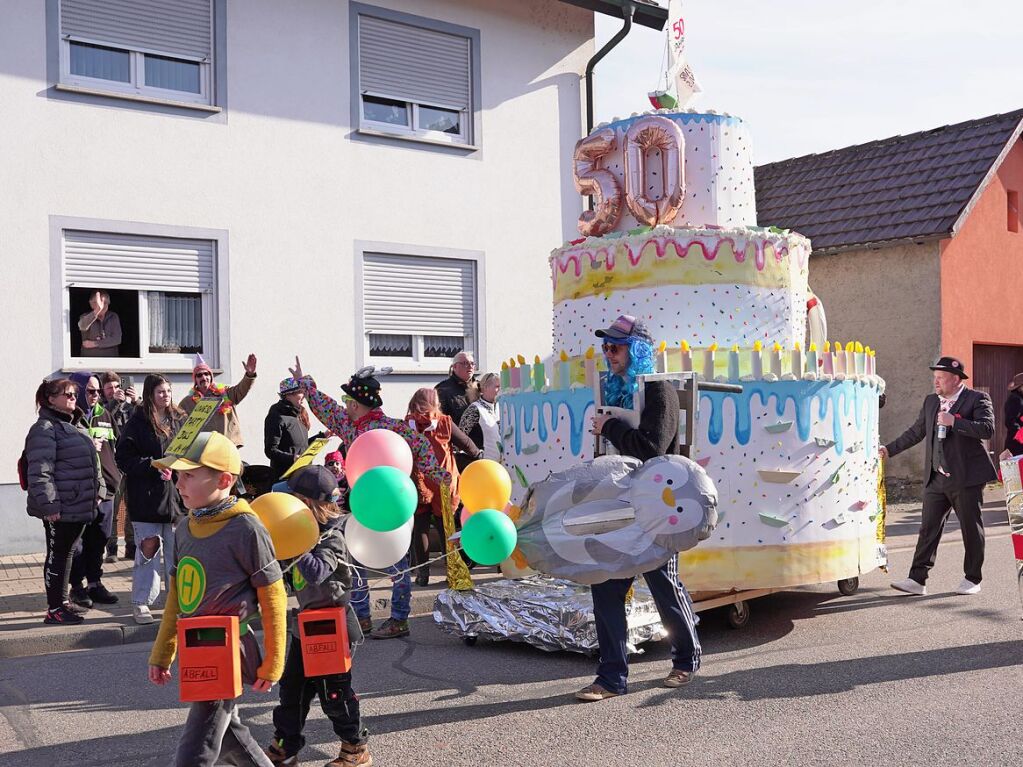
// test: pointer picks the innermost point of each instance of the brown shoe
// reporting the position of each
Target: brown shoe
(352, 755)
(594, 693)
(391, 629)
(678, 678)
(366, 624)
(276, 754)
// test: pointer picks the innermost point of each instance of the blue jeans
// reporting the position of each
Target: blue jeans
(150, 571)
(676, 610)
(401, 590)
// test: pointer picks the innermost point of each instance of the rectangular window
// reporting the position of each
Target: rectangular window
(162, 290)
(418, 311)
(160, 49)
(415, 81)
(1013, 210)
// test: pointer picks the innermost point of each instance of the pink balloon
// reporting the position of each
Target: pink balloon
(378, 447)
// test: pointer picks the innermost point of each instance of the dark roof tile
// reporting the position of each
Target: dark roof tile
(902, 187)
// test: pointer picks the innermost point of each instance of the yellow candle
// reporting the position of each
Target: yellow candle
(686, 355)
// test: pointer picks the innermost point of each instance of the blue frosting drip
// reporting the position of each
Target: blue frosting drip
(838, 396)
(682, 117)
(527, 409)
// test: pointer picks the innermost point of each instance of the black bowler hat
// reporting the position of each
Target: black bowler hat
(364, 388)
(950, 365)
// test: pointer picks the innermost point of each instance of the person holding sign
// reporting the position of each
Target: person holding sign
(286, 428)
(225, 420)
(153, 503)
(362, 412)
(224, 565)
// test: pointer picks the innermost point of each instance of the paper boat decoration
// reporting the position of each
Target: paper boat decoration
(858, 506)
(778, 428)
(778, 476)
(823, 442)
(772, 520)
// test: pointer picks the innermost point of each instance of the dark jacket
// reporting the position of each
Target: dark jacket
(120, 411)
(99, 424)
(64, 475)
(150, 498)
(963, 453)
(455, 396)
(658, 425)
(285, 438)
(1013, 415)
(321, 577)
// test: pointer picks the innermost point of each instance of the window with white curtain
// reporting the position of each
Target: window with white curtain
(418, 311)
(153, 48)
(415, 80)
(162, 289)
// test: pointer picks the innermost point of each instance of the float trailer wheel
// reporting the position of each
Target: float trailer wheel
(848, 586)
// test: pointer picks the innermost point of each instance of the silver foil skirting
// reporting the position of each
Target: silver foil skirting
(547, 613)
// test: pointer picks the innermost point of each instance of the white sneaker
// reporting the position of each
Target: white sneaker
(142, 615)
(968, 587)
(909, 587)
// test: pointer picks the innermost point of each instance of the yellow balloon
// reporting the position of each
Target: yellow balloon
(484, 484)
(291, 524)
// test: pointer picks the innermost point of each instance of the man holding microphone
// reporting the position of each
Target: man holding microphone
(954, 420)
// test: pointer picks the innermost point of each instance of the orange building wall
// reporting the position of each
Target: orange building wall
(982, 271)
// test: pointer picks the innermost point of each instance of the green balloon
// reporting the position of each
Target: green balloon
(383, 499)
(489, 537)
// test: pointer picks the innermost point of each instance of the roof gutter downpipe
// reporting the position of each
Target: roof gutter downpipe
(627, 11)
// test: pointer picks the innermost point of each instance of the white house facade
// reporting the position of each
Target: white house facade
(357, 183)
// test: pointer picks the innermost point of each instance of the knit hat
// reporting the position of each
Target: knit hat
(200, 366)
(288, 385)
(334, 457)
(364, 388)
(314, 482)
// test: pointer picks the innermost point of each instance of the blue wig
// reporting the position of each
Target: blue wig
(618, 390)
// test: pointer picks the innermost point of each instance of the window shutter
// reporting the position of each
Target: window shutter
(422, 296)
(127, 262)
(180, 27)
(414, 64)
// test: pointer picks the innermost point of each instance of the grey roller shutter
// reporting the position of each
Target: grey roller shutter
(181, 27)
(414, 64)
(128, 262)
(414, 295)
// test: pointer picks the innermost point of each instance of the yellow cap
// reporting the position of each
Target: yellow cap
(210, 449)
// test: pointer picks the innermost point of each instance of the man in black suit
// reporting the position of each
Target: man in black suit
(953, 420)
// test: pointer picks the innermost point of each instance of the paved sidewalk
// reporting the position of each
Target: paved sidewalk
(22, 605)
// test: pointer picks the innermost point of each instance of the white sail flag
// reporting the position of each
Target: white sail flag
(680, 75)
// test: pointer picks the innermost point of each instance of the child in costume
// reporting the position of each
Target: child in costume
(224, 564)
(362, 412)
(319, 578)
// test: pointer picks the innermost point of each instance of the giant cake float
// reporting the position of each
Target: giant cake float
(672, 240)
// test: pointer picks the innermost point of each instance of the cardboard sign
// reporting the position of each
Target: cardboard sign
(307, 457)
(323, 635)
(190, 429)
(209, 664)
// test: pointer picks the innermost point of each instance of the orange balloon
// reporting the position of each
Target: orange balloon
(484, 484)
(291, 524)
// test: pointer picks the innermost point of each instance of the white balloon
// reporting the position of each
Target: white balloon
(375, 549)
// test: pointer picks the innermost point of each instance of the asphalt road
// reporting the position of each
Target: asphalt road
(816, 679)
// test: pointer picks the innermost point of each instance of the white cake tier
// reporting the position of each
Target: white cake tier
(717, 169)
(703, 286)
(795, 464)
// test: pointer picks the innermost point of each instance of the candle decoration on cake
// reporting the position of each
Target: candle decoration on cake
(733, 363)
(797, 360)
(590, 375)
(564, 371)
(686, 356)
(776, 359)
(505, 378)
(850, 359)
(839, 358)
(827, 361)
(870, 362)
(539, 374)
(811, 360)
(516, 375)
(527, 372)
(756, 360)
(708, 362)
(861, 358)
(662, 357)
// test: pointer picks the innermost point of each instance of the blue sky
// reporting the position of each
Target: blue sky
(813, 75)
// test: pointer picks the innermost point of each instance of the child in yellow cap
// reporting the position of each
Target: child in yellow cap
(224, 564)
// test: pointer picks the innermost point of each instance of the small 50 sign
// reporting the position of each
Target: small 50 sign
(643, 135)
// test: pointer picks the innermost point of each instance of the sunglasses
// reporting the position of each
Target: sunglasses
(92, 391)
(69, 395)
(613, 348)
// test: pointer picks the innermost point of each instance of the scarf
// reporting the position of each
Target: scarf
(217, 389)
(212, 511)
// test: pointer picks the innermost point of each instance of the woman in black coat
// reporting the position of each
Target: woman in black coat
(64, 484)
(1013, 415)
(286, 428)
(153, 502)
